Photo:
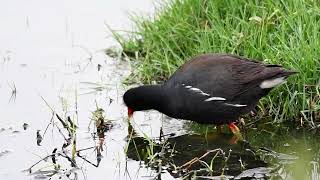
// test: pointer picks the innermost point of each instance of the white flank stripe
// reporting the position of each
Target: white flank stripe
(215, 99)
(205, 94)
(196, 90)
(236, 105)
(272, 83)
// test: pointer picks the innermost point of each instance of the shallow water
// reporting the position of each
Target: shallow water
(52, 60)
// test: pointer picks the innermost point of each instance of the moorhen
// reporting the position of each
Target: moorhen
(210, 88)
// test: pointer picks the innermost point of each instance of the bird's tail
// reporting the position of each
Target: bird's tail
(287, 73)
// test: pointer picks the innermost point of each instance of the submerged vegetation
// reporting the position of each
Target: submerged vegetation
(66, 158)
(275, 32)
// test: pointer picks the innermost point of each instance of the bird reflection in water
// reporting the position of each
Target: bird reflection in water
(214, 154)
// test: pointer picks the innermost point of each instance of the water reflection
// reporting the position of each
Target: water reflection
(211, 155)
(188, 155)
(215, 155)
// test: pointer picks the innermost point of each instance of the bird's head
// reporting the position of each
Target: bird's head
(142, 98)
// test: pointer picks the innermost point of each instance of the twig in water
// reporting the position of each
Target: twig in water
(53, 157)
(73, 126)
(46, 157)
(85, 149)
(39, 138)
(225, 161)
(95, 165)
(196, 159)
(47, 104)
(13, 92)
(62, 133)
(51, 122)
(62, 122)
(76, 106)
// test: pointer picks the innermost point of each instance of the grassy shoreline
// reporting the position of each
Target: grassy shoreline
(280, 32)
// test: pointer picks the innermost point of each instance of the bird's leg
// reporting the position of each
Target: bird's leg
(234, 129)
(219, 129)
(236, 132)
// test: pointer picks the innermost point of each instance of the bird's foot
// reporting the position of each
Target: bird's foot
(236, 131)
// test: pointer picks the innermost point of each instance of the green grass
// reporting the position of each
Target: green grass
(276, 32)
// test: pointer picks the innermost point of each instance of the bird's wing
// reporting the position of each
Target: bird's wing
(222, 76)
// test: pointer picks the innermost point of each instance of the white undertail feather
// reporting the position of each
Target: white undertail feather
(215, 99)
(270, 83)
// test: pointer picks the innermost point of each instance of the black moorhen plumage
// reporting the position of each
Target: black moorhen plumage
(210, 88)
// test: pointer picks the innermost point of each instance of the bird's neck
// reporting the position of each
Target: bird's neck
(154, 97)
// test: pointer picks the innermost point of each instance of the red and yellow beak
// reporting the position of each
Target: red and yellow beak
(130, 112)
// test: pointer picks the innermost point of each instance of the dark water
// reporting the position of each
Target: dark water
(52, 62)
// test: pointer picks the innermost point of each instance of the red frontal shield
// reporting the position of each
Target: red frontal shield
(130, 112)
